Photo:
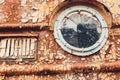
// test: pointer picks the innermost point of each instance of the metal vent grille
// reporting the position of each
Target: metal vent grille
(18, 48)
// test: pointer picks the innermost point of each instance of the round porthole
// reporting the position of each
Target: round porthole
(80, 30)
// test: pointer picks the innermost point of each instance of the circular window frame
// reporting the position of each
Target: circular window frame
(80, 51)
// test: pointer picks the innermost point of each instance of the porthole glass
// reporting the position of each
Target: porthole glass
(81, 30)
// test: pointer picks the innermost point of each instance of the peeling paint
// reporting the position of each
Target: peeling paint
(49, 52)
(2, 1)
(114, 9)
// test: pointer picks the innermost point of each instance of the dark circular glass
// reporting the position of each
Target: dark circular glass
(81, 29)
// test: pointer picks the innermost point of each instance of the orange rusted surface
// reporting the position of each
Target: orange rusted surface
(67, 76)
(33, 11)
(25, 34)
(12, 1)
(19, 69)
(11, 10)
(36, 15)
(51, 57)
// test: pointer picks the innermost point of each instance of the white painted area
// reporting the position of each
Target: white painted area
(23, 2)
(15, 48)
(20, 47)
(32, 48)
(24, 45)
(27, 47)
(2, 47)
(12, 47)
(8, 48)
(2, 1)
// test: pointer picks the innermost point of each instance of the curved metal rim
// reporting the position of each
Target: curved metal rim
(81, 51)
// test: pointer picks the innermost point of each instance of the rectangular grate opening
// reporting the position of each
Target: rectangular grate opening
(18, 48)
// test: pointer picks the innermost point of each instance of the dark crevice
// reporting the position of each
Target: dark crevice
(18, 29)
(106, 8)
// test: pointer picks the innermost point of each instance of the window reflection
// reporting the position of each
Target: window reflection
(81, 30)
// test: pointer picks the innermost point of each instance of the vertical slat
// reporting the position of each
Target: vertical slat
(27, 47)
(12, 47)
(24, 45)
(20, 43)
(15, 47)
(3, 47)
(18, 47)
(0, 48)
(21, 46)
(8, 46)
(32, 46)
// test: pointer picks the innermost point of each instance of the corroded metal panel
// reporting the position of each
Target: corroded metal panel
(50, 56)
(32, 11)
(67, 76)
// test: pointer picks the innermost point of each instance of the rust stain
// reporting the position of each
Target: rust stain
(50, 55)
(13, 1)
(11, 11)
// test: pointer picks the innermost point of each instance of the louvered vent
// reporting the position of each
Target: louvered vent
(18, 48)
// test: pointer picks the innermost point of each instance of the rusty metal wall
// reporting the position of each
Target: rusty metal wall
(24, 12)
(66, 76)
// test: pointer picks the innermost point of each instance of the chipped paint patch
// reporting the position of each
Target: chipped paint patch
(2, 1)
(2, 16)
(37, 11)
(113, 6)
